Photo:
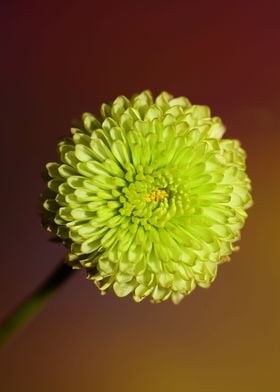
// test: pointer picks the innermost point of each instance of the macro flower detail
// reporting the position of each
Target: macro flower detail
(148, 197)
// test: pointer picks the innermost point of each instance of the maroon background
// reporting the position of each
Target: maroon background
(60, 59)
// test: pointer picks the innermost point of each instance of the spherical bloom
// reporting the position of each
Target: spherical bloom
(148, 197)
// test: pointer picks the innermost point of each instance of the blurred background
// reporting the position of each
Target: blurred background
(61, 58)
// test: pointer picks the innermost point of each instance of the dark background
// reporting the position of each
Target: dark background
(59, 59)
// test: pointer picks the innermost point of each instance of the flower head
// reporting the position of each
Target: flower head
(148, 197)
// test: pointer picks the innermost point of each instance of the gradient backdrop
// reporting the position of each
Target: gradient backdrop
(60, 58)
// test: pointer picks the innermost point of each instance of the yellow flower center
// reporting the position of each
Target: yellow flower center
(158, 195)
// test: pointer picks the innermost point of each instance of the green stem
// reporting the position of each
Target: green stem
(32, 305)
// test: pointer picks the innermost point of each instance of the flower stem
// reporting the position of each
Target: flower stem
(33, 304)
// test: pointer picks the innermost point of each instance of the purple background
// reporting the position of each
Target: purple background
(60, 59)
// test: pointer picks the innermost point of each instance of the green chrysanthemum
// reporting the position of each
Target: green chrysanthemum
(148, 198)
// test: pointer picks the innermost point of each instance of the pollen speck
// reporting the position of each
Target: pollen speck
(158, 195)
